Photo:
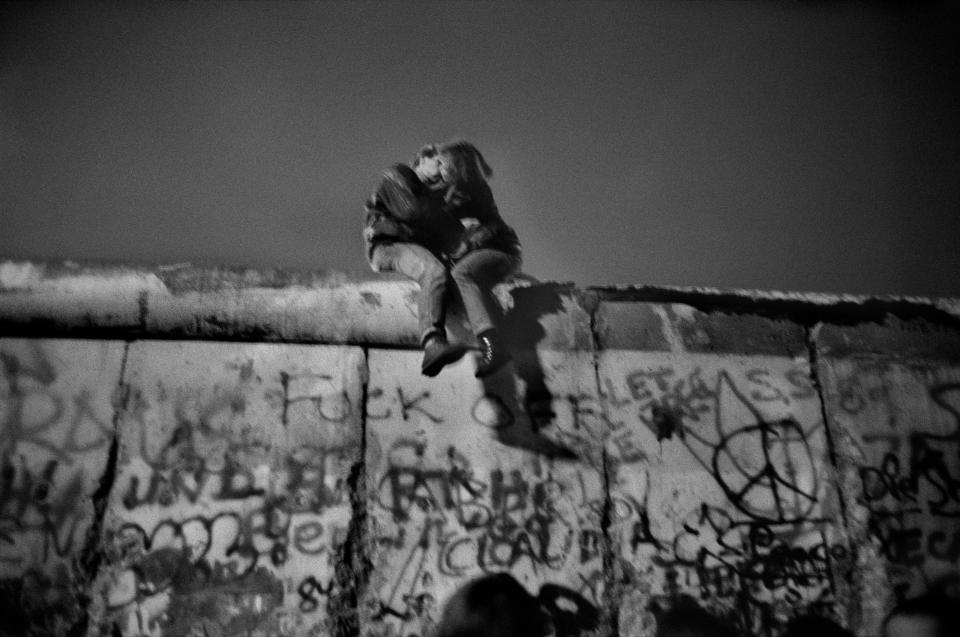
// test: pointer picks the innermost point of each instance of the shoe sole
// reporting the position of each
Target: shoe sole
(452, 355)
(494, 369)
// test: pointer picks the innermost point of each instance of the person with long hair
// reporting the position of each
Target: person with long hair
(488, 251)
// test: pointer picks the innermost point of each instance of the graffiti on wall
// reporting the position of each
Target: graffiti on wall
(449, 502)
(54, 436)
(222, 528)
(745, 520)
(909, 473)
(714, 482)
(720, 489)
(451, 521)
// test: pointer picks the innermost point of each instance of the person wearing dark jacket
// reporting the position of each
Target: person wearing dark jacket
(406, 230)
(438, 221)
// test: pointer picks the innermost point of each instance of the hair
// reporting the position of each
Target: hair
(468, 162)
(686, 618)
(492, 606)
(811, 625)
(939, 608)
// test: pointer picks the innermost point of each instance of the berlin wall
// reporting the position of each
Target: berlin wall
(234, 453)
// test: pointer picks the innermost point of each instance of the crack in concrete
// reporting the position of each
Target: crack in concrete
(91, 555)
(813, 352)
(608, 557)
(814, 361)
(353, 568)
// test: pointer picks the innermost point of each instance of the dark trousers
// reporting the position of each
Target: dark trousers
(475, 274)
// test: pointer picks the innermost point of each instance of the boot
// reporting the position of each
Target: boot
(493, 355)
(438, 353)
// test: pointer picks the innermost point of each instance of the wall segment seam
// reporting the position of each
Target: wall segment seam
(354, 567)
(91, 555)
(818, 386)
(591, 303)
(854, 609)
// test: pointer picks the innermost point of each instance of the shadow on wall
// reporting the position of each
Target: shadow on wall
(522, 330)
(497, 604)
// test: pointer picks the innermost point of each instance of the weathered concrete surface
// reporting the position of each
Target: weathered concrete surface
(719, 473)
(231, 500)
(187, 302)
(182, 301)
(56, 429)
(892, 401)
(55, 300)
(767, 453)
(460, 483)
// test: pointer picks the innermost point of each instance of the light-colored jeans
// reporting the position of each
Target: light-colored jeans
(473, 275)
(416, 262)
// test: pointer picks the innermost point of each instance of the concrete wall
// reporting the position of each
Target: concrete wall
(222, 452)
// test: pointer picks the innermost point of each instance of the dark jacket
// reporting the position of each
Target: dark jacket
(404, 209)
(476, 201)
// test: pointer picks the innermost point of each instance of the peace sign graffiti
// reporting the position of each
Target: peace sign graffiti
(766, 468)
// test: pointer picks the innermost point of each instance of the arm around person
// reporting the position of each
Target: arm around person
(487, 230)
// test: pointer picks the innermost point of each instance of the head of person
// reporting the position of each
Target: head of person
(494, 605)
(926, 616)
(815, 626)
(461, 163)
(686, 618)
(427, 164)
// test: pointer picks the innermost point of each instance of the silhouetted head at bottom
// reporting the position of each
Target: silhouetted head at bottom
(926, 616)
(815, 626)
(686, 618)
(493, 606)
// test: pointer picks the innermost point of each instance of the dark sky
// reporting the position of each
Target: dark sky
(778, 145)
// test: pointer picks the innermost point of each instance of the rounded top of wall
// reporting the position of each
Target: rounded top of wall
(92, 300)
